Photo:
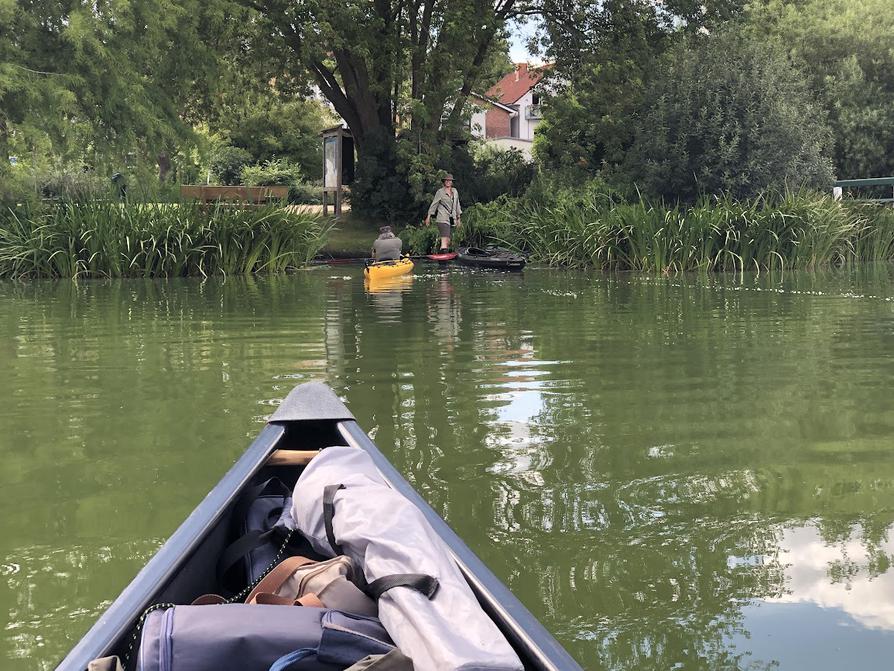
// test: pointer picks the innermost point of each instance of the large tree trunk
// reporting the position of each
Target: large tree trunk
(362, 74)
(4, 145)
(164, 166)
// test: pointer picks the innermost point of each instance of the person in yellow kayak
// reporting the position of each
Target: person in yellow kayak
(387, 246)
(446, 209)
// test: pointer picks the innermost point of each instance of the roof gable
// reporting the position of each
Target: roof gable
(490, 103)
(516, 84)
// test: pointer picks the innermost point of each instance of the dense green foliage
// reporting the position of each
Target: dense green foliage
(101, 78)
(728, 115)
(606, 87)
(604, 55)
(399, 74)
(279, 172)
(591, 227)
(497, 172)
(162, 240)
(270, 126)
(847, 47)
(227, 164)
(587, 124)
(676, 98)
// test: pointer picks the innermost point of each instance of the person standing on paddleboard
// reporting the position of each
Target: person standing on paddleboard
(446, 210)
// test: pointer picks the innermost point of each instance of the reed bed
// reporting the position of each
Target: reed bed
(794, 230)
(102, 239)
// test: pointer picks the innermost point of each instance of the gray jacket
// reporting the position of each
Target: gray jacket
(387, 249)
(443, 206)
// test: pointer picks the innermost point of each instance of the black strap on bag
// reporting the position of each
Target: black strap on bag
(422, 583)
(250, 495)
(426, 585)
(255, 538)
(236, 550)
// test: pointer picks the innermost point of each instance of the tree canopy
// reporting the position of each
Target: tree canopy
(115, 69)
(392, 70)
(847, 47)
(99, 81)
(727, 114)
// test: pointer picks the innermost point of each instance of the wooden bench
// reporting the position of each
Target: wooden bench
(244, 194)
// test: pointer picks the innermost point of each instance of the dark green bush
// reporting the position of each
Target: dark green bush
(306, 193)
(728, 114)
(498, 172)
(72, 184)
(419, 239)
(227, 164)
(277, 172)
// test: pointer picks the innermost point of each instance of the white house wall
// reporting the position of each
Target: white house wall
(524, 146)
(526, 126)
(478, 123)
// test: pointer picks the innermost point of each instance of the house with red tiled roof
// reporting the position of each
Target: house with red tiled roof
(509, 112)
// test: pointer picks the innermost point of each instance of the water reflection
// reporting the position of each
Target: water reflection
(670, 472)
(850, 575)
(386, 295)
(838, 597)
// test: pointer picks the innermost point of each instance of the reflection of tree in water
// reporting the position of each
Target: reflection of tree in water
(872, 532)
(678, 482)
(677, 430)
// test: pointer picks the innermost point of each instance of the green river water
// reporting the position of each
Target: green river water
(671, 473)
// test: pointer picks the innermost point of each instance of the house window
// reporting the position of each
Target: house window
(535, 98)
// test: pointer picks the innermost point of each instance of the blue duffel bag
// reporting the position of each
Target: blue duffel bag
(240, 637)
(262, 528)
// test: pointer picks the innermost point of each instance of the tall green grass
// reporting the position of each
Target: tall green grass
(155, 240)
(793, 230)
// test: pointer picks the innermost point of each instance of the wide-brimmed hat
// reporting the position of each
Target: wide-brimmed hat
(446, 177)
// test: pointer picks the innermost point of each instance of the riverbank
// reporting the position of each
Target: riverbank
(577, 228)
(103, 239)
(595, 229)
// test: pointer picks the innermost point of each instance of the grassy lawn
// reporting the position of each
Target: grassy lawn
(350, 238)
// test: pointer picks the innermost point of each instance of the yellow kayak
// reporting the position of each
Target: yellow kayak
(383, 269)
(389, 285)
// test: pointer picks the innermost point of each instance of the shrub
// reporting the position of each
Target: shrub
(14, 189)
(419, 240)
(277, 172)
(498, 172)
(726, 114)
(595, 228)
(280, 172)
(227, 163)
(72, 184)
(306, 193)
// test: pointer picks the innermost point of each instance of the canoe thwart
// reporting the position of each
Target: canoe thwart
(291, 457)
